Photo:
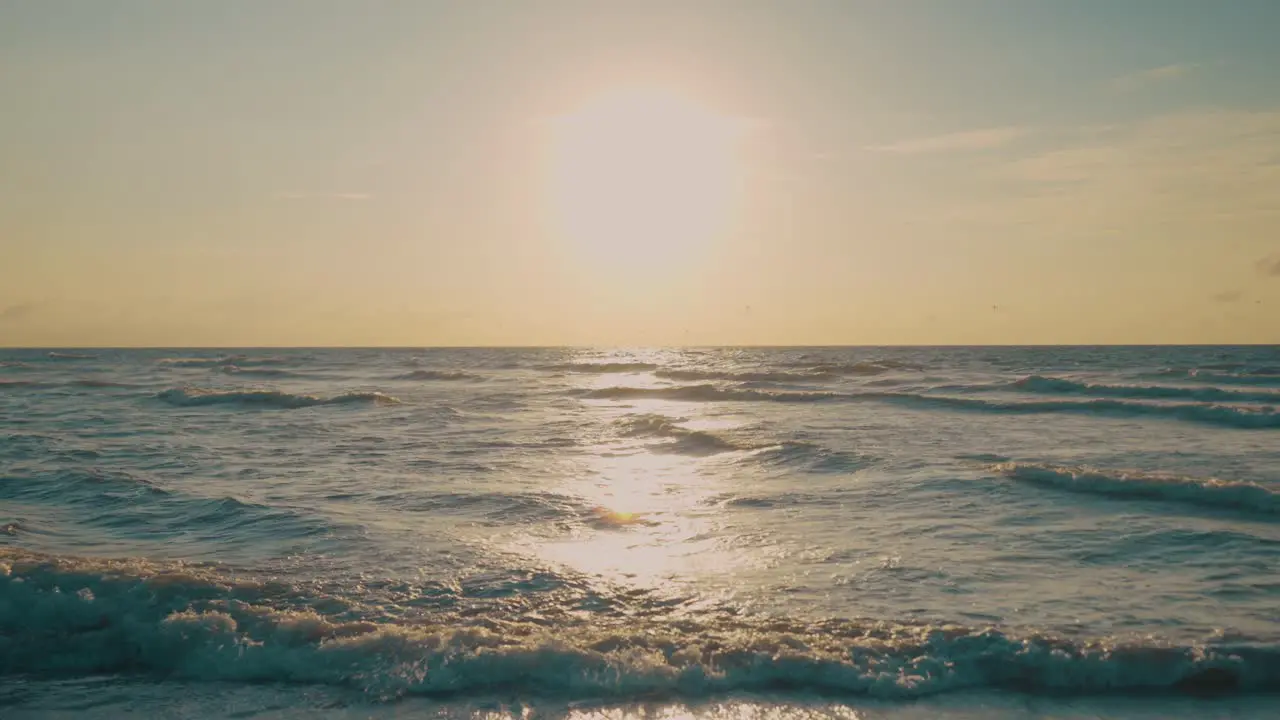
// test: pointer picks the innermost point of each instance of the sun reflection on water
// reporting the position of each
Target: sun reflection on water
(655, 510)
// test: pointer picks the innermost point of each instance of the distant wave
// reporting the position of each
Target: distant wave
(69, 616)
(701, 393)
(194, 397)
(1062, 386)
(14, 365)
(99, 383)
(241, 361)
(79, 382)
(1219, 415)
(683, 440)
(70, 356)
(865, 367)
(1207, 492)
(602, 368)
(15, 384)
(763, 377)
(1263, 379)
(440, 375)
(253, 371)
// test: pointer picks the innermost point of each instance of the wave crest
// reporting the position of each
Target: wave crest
(683, 440)
(605, 368)
(237, 360)
(440, 375)
(1063, 386)
(196, 397)
(761, 377)
(1209, 492)
(1219, 415)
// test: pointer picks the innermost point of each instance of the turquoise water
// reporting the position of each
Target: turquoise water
(861, 532)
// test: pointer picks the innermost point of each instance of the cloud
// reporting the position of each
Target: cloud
(1153, 76)
(1208, 164)
(1228, 296)
(18, 312)
(1270, 265)
(967, 141)
(354, 196)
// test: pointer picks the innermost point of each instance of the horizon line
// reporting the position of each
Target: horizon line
(632, 347)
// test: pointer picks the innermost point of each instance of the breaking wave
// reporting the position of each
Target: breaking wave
(1062, 386)
(70, 356)
(69, 616)
(194, 397)
(1207, 492)
(1219, 415)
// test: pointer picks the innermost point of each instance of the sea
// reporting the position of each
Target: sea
(730, 533)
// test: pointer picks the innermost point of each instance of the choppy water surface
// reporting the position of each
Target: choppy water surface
(736, 533)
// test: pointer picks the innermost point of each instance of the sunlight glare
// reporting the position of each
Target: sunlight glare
(642, 177)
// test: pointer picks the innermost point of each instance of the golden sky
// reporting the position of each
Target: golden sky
(823, 172)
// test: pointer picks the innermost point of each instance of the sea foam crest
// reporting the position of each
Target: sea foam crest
(1208, 492)
(1063, 386)
(68, 616)
(194, 397)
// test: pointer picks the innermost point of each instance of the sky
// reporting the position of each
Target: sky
(819, 172)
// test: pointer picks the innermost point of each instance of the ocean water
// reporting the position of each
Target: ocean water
(729, 533)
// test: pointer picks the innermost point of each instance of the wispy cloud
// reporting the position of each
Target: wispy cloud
(1198, 162)
(1153, 76)
(967, 141)
(1229, 296)
(324, 196)
(1270, 265)
(14, 313)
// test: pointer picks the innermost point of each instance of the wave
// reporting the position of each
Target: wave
(683, 441)
(1219, 378)
(130, 506)
(1062, 386)
(70, 356)
(99, 383)
(763, 377)
(864, 367)
(196, 397)
(440, 375)
(601, 368)
(1205, 492)
(813, 457)
(1218, 415)
(241, 361)
(67, 616)
(701, 393)
(254, 371)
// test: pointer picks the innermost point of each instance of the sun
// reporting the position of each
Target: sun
(642, 177)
